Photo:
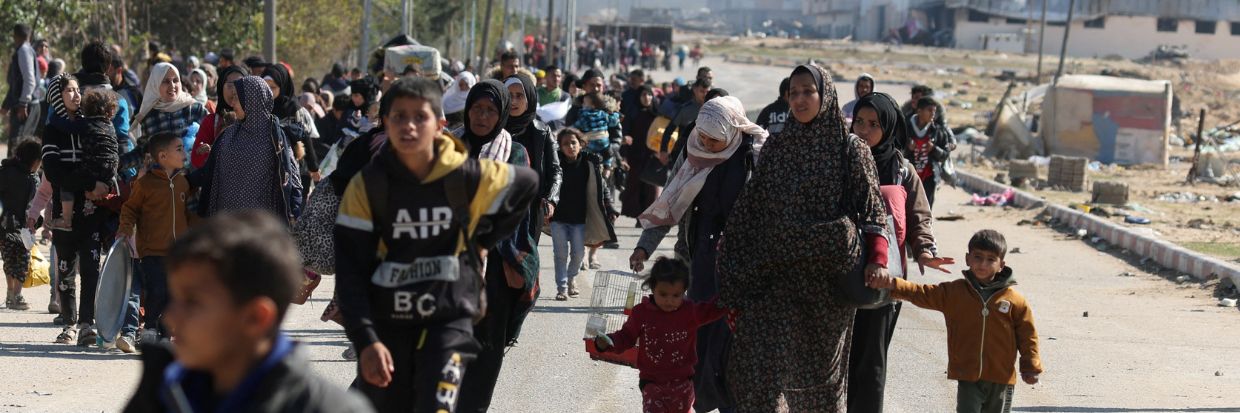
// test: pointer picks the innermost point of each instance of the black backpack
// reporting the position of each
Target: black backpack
(450, 300)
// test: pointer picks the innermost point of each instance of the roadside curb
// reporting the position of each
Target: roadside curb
(1167, 254)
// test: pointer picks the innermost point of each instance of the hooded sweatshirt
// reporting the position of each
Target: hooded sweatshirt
(987, 326)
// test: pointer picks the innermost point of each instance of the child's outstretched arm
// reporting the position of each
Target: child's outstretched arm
(1027, 344)
(930, 297)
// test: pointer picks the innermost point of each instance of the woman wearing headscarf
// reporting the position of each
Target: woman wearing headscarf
(363, 94)
(534, 135)
(791, 240)
(166, 106)
(289, 112)
(721, 152)
(244, 169)
(454, 98)
(512, 265)
(877, 120)
(198, 89)
(214, 124)
(637, 194)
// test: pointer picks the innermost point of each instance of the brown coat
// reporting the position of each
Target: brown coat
(157, 206)
(983, 339)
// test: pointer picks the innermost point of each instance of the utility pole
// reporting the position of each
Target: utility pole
(503, 27)
(486, 34)
(1041, 39)
(1063, 50)
(364, 45)
(269, 30)
(551, 32)
(404, 16)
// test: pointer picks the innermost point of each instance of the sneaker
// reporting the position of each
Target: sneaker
(349, 354)
(53, 308)
(19, 303)
(67, 336)
(58, 321)
(560, 296)
(86, 335)
(127, 344)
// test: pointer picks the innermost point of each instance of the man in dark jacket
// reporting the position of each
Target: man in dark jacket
(23, 78)
(774, 115)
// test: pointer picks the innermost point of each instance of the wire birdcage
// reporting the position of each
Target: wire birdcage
(614, 295)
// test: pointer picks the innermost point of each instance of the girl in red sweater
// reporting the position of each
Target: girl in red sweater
(666, 323)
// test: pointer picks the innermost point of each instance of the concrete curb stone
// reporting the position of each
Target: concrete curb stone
(1169, 255)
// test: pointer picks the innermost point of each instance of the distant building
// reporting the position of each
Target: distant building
(1208, 29)
(653, 15)
(754, 15)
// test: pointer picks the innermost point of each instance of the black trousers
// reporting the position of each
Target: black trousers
(867, 364)
(505, 312)
(430, 363)
(79, 251)
(929, 185)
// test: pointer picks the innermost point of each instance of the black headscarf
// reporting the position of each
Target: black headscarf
(494, 91)
(367, 88)
(222, 104)
(887, 157)
(517, 125)
(654, 100)
(285, 105)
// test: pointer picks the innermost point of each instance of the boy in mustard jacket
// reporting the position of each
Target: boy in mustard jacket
(157, 208)
(988, 322)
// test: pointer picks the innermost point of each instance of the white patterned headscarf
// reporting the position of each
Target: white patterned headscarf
(721, 118)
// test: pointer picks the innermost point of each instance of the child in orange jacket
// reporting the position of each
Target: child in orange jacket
(988, 323)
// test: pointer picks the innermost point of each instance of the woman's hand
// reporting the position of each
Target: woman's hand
(926, 260)
(637, 261)
(100, 191)
(877, 277)
(377, 366)
(316, 176)
(203, 149)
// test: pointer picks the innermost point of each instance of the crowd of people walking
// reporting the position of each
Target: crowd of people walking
(427, 197)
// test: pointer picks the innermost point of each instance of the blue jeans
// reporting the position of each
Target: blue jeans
(563, 237)
(150, 275)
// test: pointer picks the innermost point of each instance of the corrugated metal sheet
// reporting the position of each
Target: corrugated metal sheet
(1057, 10)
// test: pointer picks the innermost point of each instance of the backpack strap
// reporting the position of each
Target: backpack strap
(376, 184)
(460, 186)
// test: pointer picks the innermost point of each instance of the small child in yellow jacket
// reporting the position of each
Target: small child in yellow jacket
(988, 322)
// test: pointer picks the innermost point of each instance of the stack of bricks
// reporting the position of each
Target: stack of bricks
(1068, 173)
(1108, 192)
(1022, 172)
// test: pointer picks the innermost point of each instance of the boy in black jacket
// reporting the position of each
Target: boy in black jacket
(231, 281)
(427, 209)
(19, 179)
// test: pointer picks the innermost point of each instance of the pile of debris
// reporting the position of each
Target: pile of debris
(1167, 53)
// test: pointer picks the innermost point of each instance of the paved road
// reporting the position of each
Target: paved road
(1147, 345)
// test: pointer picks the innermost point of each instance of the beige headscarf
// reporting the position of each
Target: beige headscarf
(151, 98)
(720, 118)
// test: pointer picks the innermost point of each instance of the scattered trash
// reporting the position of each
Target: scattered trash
(1127, 274)
(1052, 338)
(951, 217)
(1183, 279)
(40, 393)
(1218, 374)
(1016, 251)
(1227, 302)
(1133, 219)
(1185, 197)
(1081, 233)
(1085, 315)
(1024, 222)
(1173, 53)
(995, 199)
(1199, 223)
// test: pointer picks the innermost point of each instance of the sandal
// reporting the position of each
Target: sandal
(560, 296)
(67, 336)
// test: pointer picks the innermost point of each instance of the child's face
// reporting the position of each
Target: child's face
(867, 127)
(172, 157)
(925, 115)
(357, 99)
(669, 296)
(984, 264)
(412, 126)
(209, 327)
(570, 146)
(72, 96)
(518, 103)
(711, 144)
